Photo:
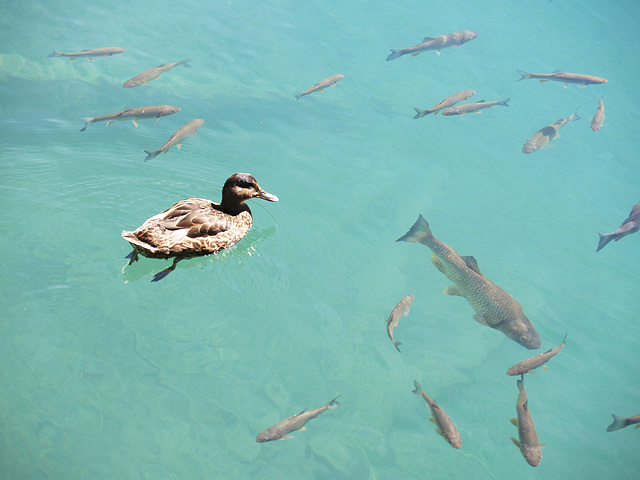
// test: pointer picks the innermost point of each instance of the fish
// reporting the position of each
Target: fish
(494, 307)
(620, 422)
(281, 430)
(467, 108)
(543, 136)
(529, 364)
(629, 226)
(133, 114)
(153, 73)
(402, 308)
(444, 425)
(598, 118)
(318, 87)
(564, 77)
(447, 102)
(189, 129)
(528, 442)
(438, 43)
(89, 54)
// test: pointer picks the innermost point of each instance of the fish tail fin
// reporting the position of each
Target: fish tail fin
(333, 403)
(420, 112)
(604, 239)
(504, 102)
(395, 344)
(55, 53)
(419, 232)
(523, 75)
(574, 116)
(87, 121)
(151, 154)
(520, 383)
(299, 96)
(618, 423)
(185, 62)
(418, 390)
(394, 54)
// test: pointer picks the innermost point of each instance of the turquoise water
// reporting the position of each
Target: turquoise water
(106, 375)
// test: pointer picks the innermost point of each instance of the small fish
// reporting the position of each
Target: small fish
(564, 77)
(285, 427)
(318, 87)
(528, 443)
(598, 118)
(402, 308)
(494, 307)
(153, 73)
(438, 43)
(467, 108)
(629, 226)
(543, 136)
(133, 114)
(529, 364)
(447, 102)
(620, 422)
(187, 130)
(89, 54)
(444, 425)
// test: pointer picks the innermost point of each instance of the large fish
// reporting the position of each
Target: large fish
(529, 364)
(543, 136)
(296, 422)
(620, 422)
(318, 87)
(152, 73)
(630, 225)
(447, 102)
(564, 77)
(494, 307)
(528, 442)
(598, 118)
(444, 425)
(438, 43)
(402, 308)
(187, 130)
(89, 54)
(467, 108)
(133, 114)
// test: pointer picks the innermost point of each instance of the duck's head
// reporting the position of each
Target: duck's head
(242, 186)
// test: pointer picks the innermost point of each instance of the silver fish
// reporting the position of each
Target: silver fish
(564, 77)
(543, 136)
(528, 442)
(447, 102)
(529, 364)
(621, 422)
(444, 425)
(467, 108)
(318, 87)
(629, 226)
(438, 43)
(285, 427)
(187, 130)
(133, 114)
(402, 308)
(598, 118)
(89, 54)
(494, 307)
(152, 73)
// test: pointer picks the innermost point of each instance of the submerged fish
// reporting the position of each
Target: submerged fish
(402, 308)
(494, 307)
(133, 114)
(598, 118)
(318, 87)
(543, 136)
(620, 422)
(152, 73)
(447, 102)
(529, 364)
(296, 422)
(630, 225)
(187, 130)
(438, 43)
(444, 425)
(564, 77)
(467, 108)
(528, 442)
(89, 54)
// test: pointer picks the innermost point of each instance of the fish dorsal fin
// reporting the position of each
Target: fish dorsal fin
(472, 263)
(557, 71)
(426, 39)
(302, 412)
(525, 405)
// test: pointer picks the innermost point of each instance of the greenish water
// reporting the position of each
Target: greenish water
(106, 375)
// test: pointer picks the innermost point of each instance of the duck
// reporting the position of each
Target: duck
(197, 226)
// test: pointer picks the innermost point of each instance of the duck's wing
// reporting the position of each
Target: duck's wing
(197, 217)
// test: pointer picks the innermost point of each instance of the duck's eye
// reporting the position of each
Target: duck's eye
(245, 184)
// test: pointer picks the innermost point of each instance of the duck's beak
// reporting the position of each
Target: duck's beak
(267, 196)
